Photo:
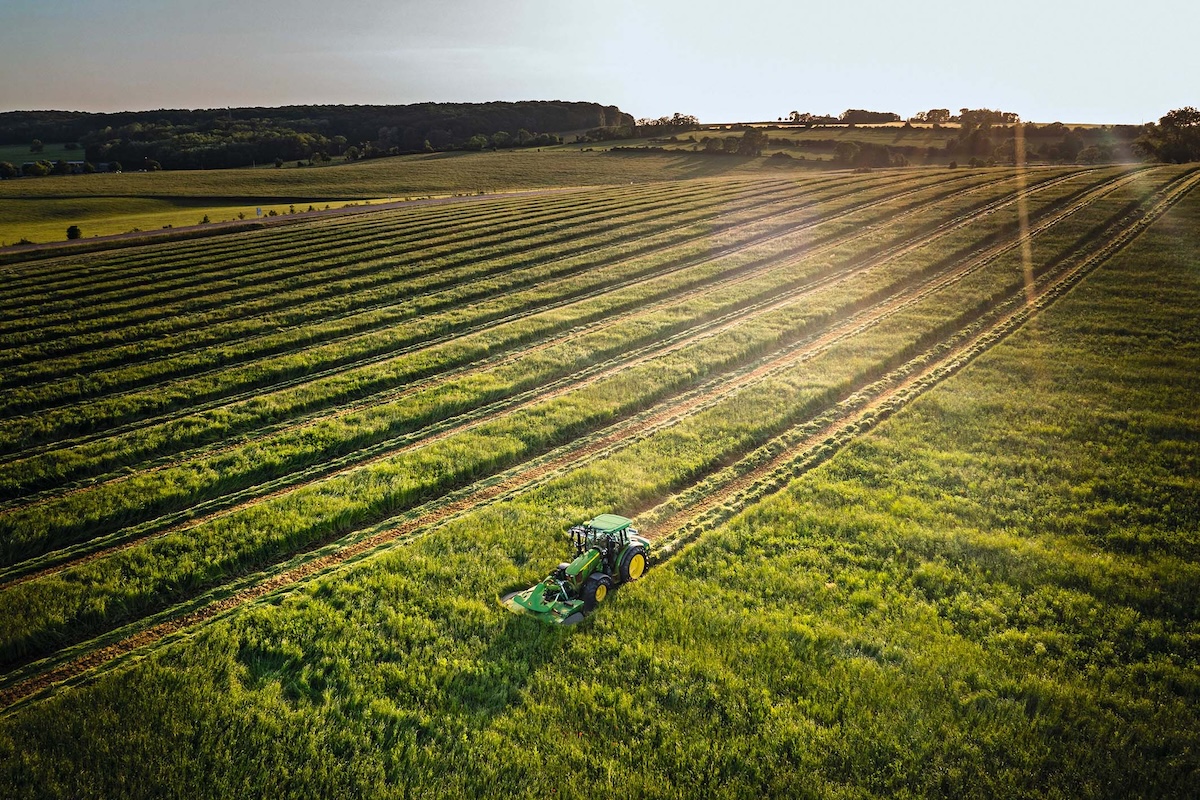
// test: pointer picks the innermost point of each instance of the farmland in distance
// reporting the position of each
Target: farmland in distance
(917, 450)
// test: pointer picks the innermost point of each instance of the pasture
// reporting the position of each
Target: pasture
(917, 450)
(40, 209)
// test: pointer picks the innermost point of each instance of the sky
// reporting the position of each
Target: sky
(740, 60)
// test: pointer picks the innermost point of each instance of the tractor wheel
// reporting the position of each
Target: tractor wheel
(633, 564)
(595, 589)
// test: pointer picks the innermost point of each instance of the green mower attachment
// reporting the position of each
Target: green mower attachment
(608, 552)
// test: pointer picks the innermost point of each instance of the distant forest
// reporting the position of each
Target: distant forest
(238, 137)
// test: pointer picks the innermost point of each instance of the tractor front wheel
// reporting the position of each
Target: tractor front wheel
(595, 589)
(633, 564)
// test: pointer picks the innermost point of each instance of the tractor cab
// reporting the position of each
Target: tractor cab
(607, 533)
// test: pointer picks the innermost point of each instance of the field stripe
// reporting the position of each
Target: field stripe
(99, 309)
(348, 243)
(230, 502)
(460, 211)
(366, 238)
(181, 263)
(332, 329)
(613, 320)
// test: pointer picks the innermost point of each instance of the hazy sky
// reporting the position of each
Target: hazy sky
(1069, 60)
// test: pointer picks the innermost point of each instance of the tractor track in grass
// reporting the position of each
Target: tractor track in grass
(376, 358)
(658, 204)
(240, 301)
(770, 467)
(185, 271)
(148, 262)
(662, 415)
(134, 252)
(344, 265)
(760, 205)
(171, 265)
(881, 398)
(464, 421)
(373, 219)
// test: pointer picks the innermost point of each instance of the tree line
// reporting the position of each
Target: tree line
(660, 127)
(851, 116)
(1176, 137)
(220, 138)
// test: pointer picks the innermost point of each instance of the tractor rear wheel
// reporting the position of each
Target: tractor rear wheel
(633, 564)
(595, 589)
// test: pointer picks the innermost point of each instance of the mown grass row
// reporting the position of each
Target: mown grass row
(1131, 217)
(167, 262)
(383, 239)
(373, 345)
(323, 509)
(62, 271)
(382, 243)
(232, 470)
(357, 240)
(603, 172)
(771, 282)
(390, 417)
(28, 469)
(327, 296)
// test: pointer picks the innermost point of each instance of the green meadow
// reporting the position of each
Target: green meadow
(917, 450)
(41, 209)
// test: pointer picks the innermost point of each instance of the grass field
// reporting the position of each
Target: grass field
(917, 451)
(41, 209)
(47, 219)
(18, 154)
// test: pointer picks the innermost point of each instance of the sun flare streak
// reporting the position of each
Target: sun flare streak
(1023, 214)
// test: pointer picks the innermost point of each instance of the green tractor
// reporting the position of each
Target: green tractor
(608, 551)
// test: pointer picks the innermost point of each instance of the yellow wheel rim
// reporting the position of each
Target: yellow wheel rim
(637, 565)
(601, 591)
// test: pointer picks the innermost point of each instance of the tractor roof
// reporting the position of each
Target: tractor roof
(609, 523)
